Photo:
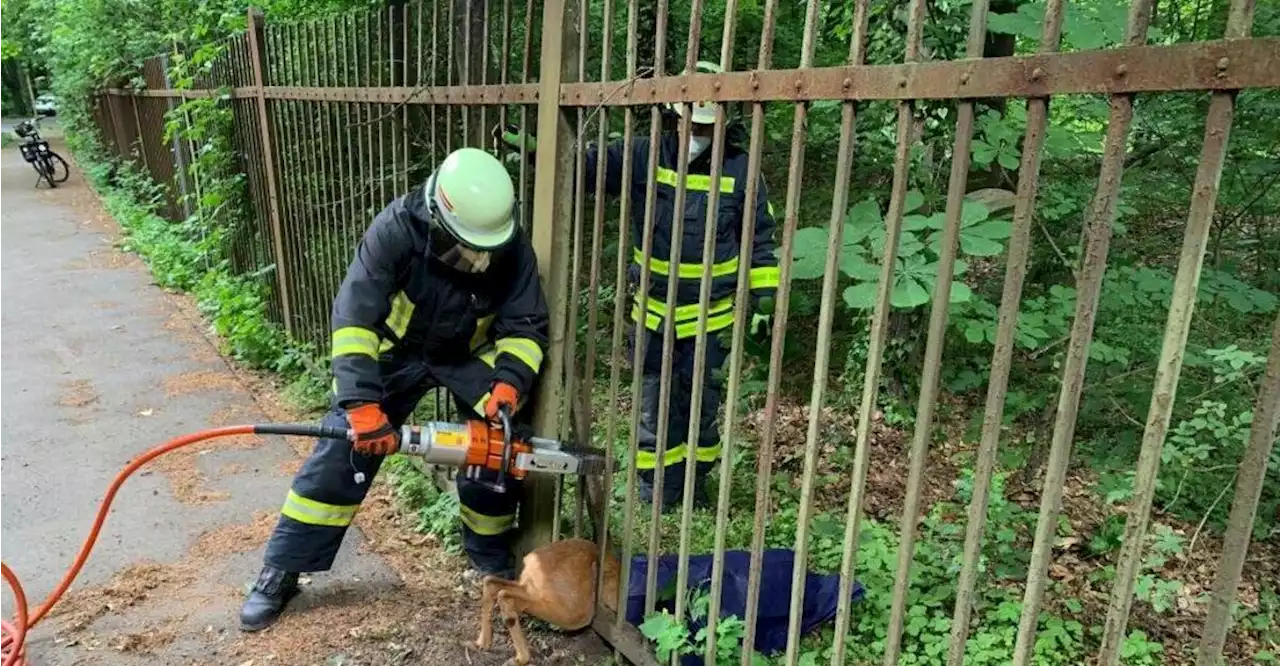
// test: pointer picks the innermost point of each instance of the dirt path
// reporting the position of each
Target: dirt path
(100, 364)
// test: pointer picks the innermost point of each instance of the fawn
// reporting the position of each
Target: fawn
(558, 581)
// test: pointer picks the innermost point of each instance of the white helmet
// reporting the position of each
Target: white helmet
(471, 197)
(704, 113)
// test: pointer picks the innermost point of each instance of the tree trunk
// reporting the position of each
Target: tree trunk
(470, 46)
(997, 46)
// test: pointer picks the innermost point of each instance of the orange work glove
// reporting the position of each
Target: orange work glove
(374, 434)
(502, 394)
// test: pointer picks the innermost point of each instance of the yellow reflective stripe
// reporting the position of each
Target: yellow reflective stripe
(489, 356)
(481, 404)
(695, 182)
(708, 453)
(486, 525)
(355, 340)
(481, 335)
(649, 459)
(312, 512)
(690, 311)
(525, 349)
(686, 271)
(769, 207)
(765, 276)
(398, 321)
(689, 329)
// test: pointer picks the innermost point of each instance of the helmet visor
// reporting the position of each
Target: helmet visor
(451, 250)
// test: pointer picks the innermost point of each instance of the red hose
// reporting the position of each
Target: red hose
(15, 634)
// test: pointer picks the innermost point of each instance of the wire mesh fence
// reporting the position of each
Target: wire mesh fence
(333, 118)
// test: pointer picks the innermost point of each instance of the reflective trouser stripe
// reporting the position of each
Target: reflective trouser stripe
(311, 512)
(719, 316)
(486, 525)
(686, 271)
(649, 459)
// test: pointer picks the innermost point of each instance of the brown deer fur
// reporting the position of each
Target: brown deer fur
(557, 581)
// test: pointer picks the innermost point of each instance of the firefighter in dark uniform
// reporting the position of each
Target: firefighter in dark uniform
(443, 291)
(763, 275)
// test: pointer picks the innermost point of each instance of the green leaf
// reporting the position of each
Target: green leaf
(864, 215)
(960, 293)
(861, 296)
(992, 229)
(858, 267)
(810, 249)
(974, 333)
(908, 292)
(983, 153)
(979, 246)
(914, 201)
(1008, 159)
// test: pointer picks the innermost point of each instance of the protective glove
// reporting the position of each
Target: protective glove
(762, 318)
(502, 394)
(512, 135)
(374, 434)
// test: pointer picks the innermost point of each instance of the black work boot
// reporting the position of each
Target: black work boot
(273, 590)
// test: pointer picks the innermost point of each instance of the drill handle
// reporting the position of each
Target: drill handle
(500, 485)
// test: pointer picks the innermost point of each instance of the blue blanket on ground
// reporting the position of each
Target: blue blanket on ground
(821, 594)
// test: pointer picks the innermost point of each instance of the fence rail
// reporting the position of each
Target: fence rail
(334, 117)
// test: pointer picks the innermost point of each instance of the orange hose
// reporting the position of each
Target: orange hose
(15, 634)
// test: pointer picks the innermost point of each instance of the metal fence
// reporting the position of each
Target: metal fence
(334, 117)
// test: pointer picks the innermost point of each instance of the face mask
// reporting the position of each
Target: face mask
(466, 259)
(698, 145)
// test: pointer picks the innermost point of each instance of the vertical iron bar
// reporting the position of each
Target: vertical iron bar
(1204, 199)
(1002, 356)
(597, 249)
(747, 234)
(374, 168)
(879, 332)
(668, 333)
(435, 65)
(673, 281)
(597, 233)
(467, 109)
(350, 119)
(765, 461)
(484, 74)
(378, 62)
(448, 80)
(505, 76)
(826, 318)
(960, 155)
(1089, 285)
(256, 34)
(404, 114)
(579, 240)
(523, 198)
(619, 303)
(1244, 508)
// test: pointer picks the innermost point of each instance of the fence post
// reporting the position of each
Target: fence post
(179, 159)
(552, 214)
(258, 59)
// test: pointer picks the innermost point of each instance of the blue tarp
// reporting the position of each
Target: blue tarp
(821, 594)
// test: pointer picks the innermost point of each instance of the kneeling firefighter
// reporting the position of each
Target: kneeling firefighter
(732, 207)
(443, 292)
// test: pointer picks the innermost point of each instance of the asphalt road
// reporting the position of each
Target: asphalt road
(98, 365)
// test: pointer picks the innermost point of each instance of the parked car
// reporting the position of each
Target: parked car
(46, 105)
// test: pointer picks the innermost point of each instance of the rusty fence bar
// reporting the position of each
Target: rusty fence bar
(1002, 356)
(1204, 197)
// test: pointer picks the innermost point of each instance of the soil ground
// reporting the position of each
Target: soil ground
(101, 364)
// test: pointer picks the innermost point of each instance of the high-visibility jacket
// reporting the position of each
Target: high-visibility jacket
(732, 207)
(398, 302)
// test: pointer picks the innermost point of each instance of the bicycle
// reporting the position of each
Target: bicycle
(37, 153)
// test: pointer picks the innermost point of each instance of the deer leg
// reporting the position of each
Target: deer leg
(488, 597)
(512, 602)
